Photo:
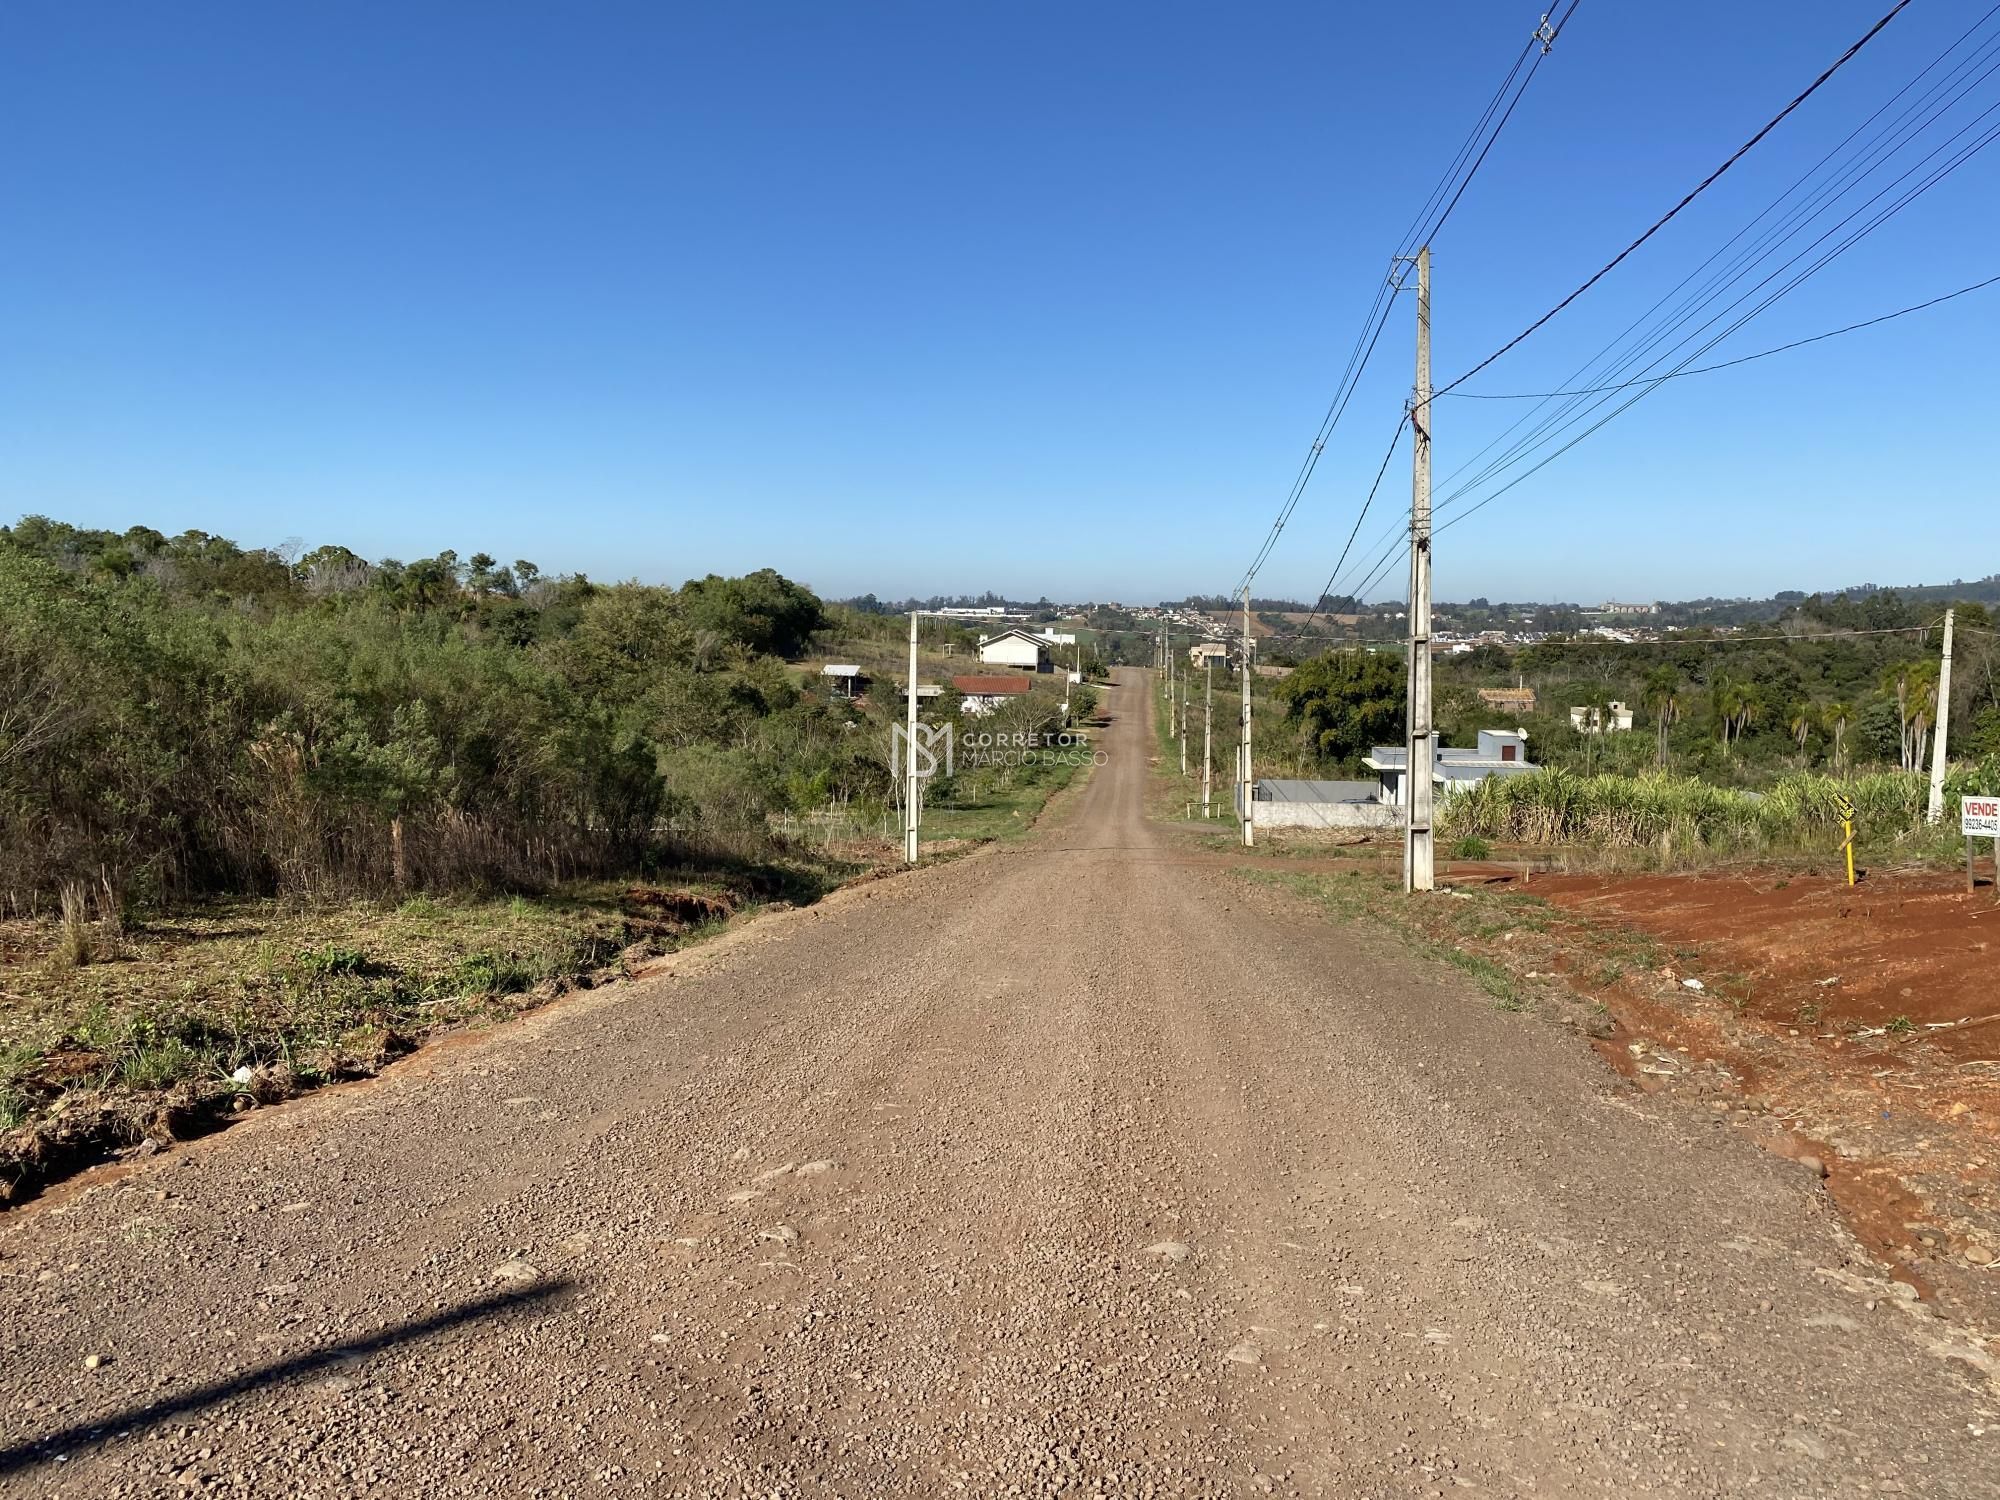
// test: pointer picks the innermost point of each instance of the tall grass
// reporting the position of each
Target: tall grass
(1680, 813)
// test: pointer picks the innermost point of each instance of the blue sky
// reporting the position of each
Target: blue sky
(1045, 298)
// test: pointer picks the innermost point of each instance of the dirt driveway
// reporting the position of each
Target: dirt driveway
(1064, 1169)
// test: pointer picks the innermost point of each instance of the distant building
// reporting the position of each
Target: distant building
(1614, 718)
(844, 681)
(981, 695)
(1626, 609)
(1015, 648)
(1204, 653)
(1500, 752)
(1515, 700)
(1057, 637)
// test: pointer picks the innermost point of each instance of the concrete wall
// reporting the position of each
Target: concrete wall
(1265, 814)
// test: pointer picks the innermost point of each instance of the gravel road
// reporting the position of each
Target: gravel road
(1067, 1168)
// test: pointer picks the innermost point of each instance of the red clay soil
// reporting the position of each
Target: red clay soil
(1868, 1018)
(1811, 953)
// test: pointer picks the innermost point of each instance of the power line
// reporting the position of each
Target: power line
(1704, 640)
(1546, 36)
(1357, 365)
(1699, 188)
(1651, 384)
(1386, 293)
(1651, 381)
(1727, 363)
(1394, 441)
(1841, 182)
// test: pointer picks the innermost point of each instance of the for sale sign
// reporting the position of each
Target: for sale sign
(1979, 817)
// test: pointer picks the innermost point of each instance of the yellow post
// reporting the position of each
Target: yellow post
(1846, 809)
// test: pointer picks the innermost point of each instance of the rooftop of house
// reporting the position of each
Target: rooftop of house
(1015, 633)
(839, 669)
(1283, 789)
(1462, 761)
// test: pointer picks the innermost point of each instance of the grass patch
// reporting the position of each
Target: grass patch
(1428, 926)
(987, 803)
(195, 1003)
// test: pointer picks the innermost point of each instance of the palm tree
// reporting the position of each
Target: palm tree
(1802, 727)
(1836, 717)
(1663, 690)
(1896, 683)
(1924, 696)
(1735, 705)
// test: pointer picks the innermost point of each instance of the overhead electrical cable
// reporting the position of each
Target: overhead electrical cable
(1651, 384)
(1901, 312)
(1882, 149)
(1699, 188)
(1873, 157)
(1465, 164)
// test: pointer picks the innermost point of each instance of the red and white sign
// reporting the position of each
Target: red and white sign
(1979, 817)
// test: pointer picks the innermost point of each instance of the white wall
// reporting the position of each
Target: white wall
(1012, 651)
(1266, 814)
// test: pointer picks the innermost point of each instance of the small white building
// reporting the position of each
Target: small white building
(1202, 653)
(1614, 718)
(1500, 752)
(843, 679)
(1015, 648)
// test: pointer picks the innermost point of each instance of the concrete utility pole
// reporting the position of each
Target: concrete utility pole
(1207, 729)
(1418, 863)
(1244, 786)
(910, 754)
(1183, 671)
(1943, 723)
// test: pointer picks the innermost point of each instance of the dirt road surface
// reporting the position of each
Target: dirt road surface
(1063, 1169)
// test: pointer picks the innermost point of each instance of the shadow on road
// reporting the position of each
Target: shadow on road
(24, 1454)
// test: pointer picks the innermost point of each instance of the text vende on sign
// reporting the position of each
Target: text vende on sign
(1979, 817)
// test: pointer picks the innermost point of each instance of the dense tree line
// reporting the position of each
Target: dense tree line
(182, 716)
(1735, 712)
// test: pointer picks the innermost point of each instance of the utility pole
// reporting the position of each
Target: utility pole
(910, 755)
(1244, 786)
(1943, 723)
(1418, 864)
(1184, 698)
(1207, 729)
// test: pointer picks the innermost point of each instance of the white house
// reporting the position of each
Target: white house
(1500, 752)
(1015, 648)
(1595, 720)
(1204, 652)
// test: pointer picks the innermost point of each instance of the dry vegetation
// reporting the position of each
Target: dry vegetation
(110, 1037)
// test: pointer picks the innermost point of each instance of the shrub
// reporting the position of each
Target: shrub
(325, 963)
